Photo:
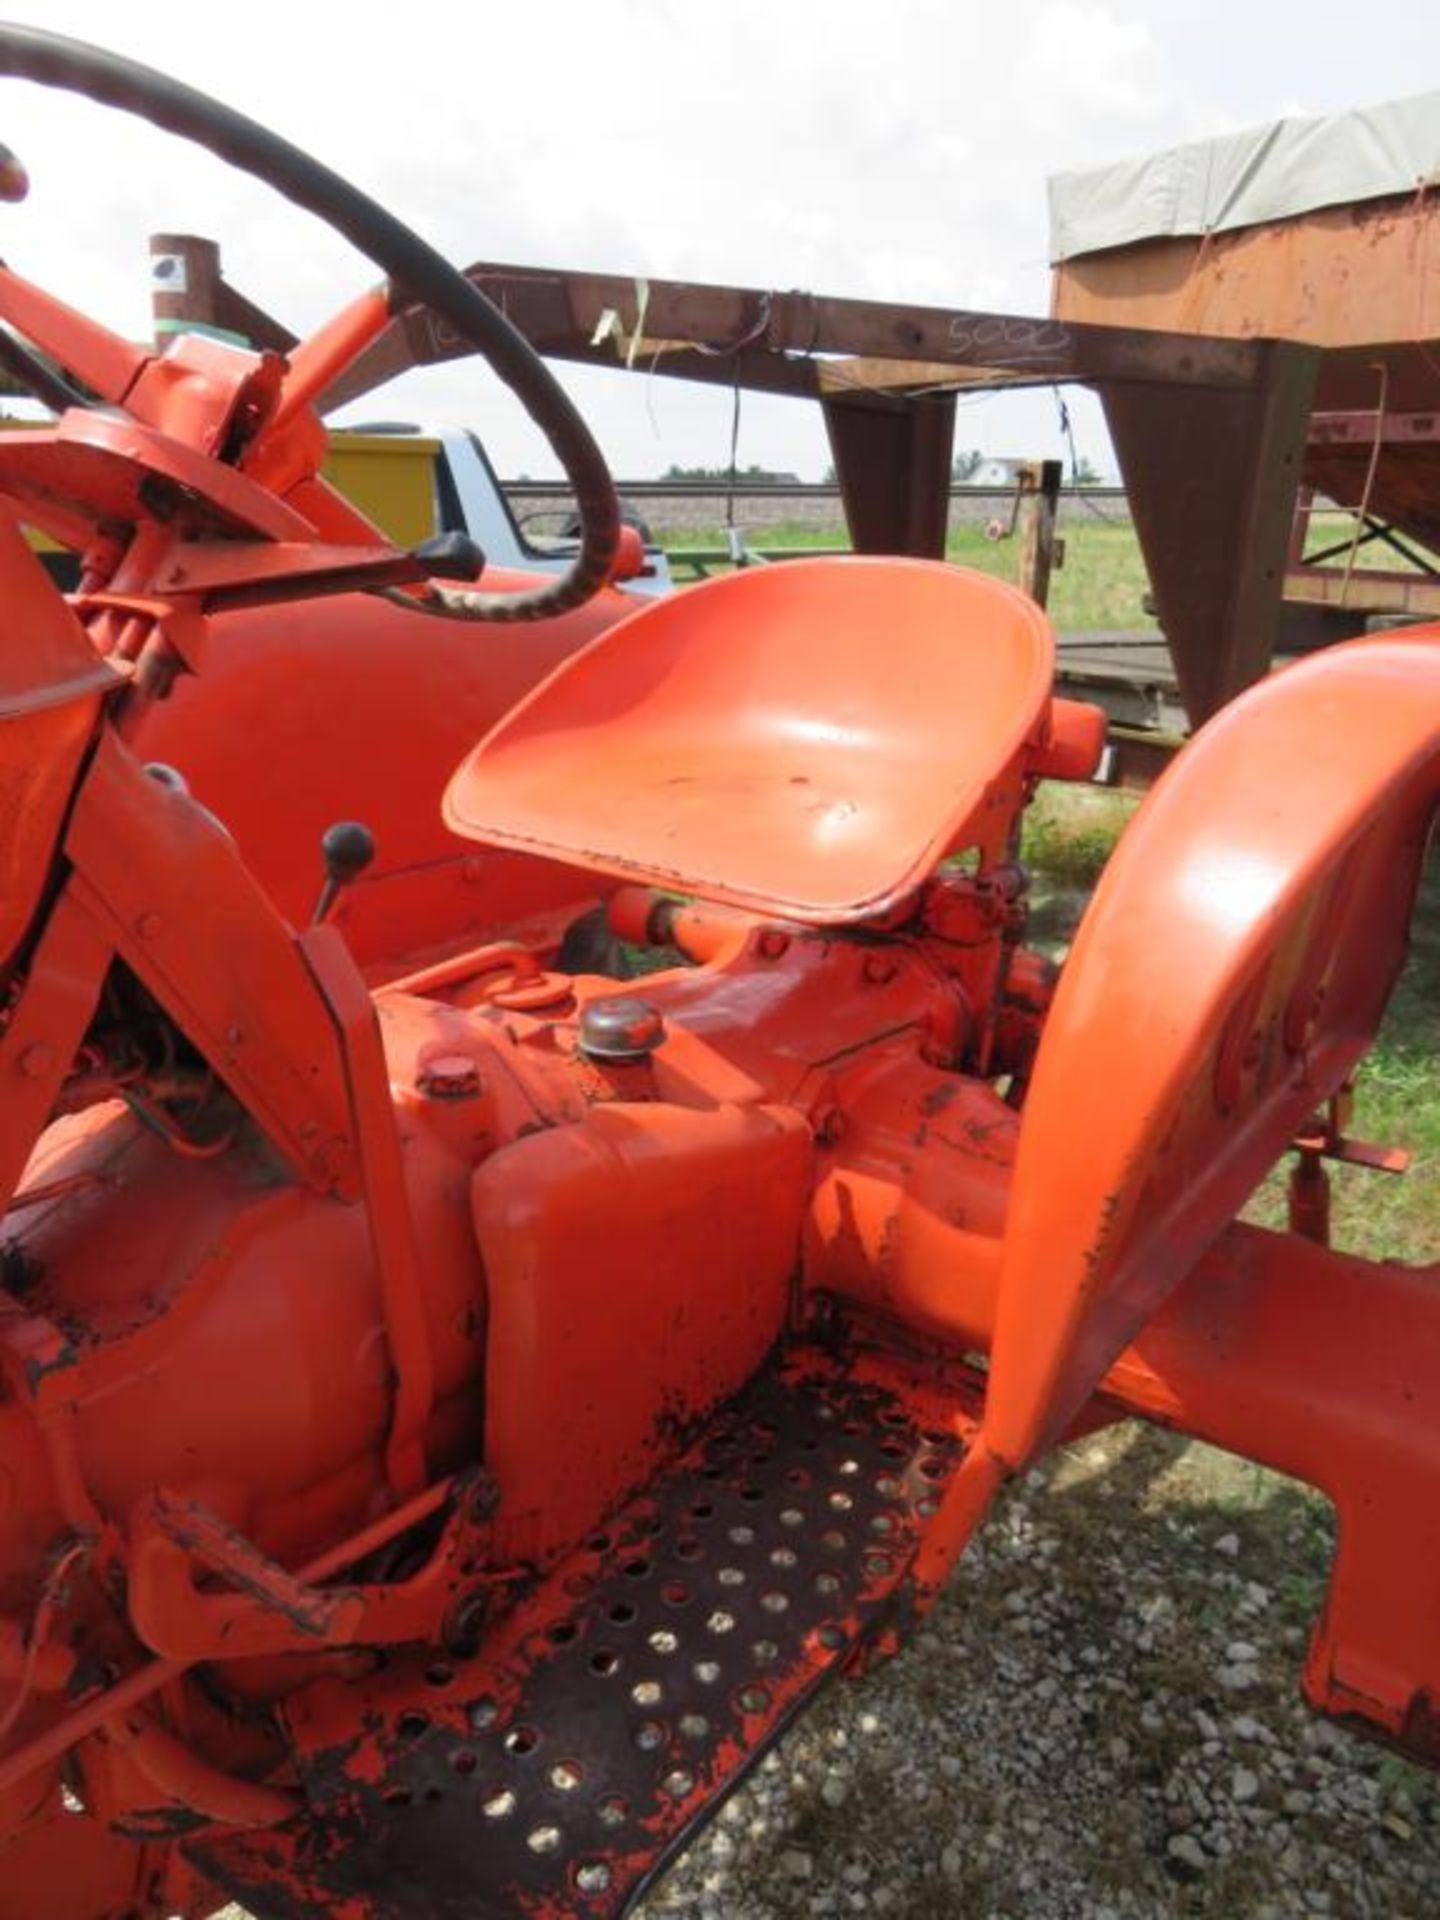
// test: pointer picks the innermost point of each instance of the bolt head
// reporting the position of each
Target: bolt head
(449, 1077)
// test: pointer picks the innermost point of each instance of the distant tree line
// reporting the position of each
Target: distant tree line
(751, 476)
(968, 462)
(963, 469)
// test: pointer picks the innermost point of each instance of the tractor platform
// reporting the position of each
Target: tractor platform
(610, 1714)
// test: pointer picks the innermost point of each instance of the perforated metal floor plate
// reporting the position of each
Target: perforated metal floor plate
(556, 1775)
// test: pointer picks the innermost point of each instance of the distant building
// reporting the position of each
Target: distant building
(996, 470)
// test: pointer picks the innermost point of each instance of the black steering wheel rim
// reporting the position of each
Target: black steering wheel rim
(413, 269)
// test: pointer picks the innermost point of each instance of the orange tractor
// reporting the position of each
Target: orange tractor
(459, 1403)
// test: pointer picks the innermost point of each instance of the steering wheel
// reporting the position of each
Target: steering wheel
(413, 271)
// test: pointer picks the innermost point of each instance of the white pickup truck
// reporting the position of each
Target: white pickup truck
(415, 482)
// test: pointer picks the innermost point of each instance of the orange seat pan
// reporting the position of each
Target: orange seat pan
(804, 739)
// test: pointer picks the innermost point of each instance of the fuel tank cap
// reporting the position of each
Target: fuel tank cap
(620, 1027)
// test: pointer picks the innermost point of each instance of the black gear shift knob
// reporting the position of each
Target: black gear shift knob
(347, 849)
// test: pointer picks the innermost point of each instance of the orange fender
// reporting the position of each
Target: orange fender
(1230, 971)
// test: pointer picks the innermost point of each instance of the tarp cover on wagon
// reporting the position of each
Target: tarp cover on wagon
(1266, 173)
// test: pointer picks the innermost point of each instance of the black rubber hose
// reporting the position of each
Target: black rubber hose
(413, 268)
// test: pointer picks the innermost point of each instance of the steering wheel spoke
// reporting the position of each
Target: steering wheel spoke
(89, 353)
(320, 359)
(110, 366)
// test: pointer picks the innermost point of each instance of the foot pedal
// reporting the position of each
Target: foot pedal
(556, 1773)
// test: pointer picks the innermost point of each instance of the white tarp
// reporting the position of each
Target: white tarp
(1245, 179)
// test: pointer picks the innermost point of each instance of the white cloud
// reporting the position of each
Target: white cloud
(1086, 63)
(895, 152)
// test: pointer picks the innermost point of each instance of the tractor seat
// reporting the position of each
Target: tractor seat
(805, 739)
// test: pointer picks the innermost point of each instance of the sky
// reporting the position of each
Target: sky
(894, 152)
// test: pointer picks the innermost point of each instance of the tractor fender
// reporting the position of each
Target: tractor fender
(1230, 971)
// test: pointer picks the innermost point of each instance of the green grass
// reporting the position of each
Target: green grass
(1101, 584)
(1329, 529)
(1397, 1103)
(1070, 832)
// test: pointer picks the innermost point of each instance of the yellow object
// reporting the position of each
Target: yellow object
(390, 478)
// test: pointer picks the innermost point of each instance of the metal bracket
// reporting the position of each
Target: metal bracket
(177, 1542)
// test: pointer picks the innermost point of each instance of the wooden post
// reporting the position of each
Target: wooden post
(188, 290)
(184, 283)
(1038, 482)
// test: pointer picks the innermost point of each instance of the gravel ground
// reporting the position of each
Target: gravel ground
(1102, 1719)
(1100, 1722)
